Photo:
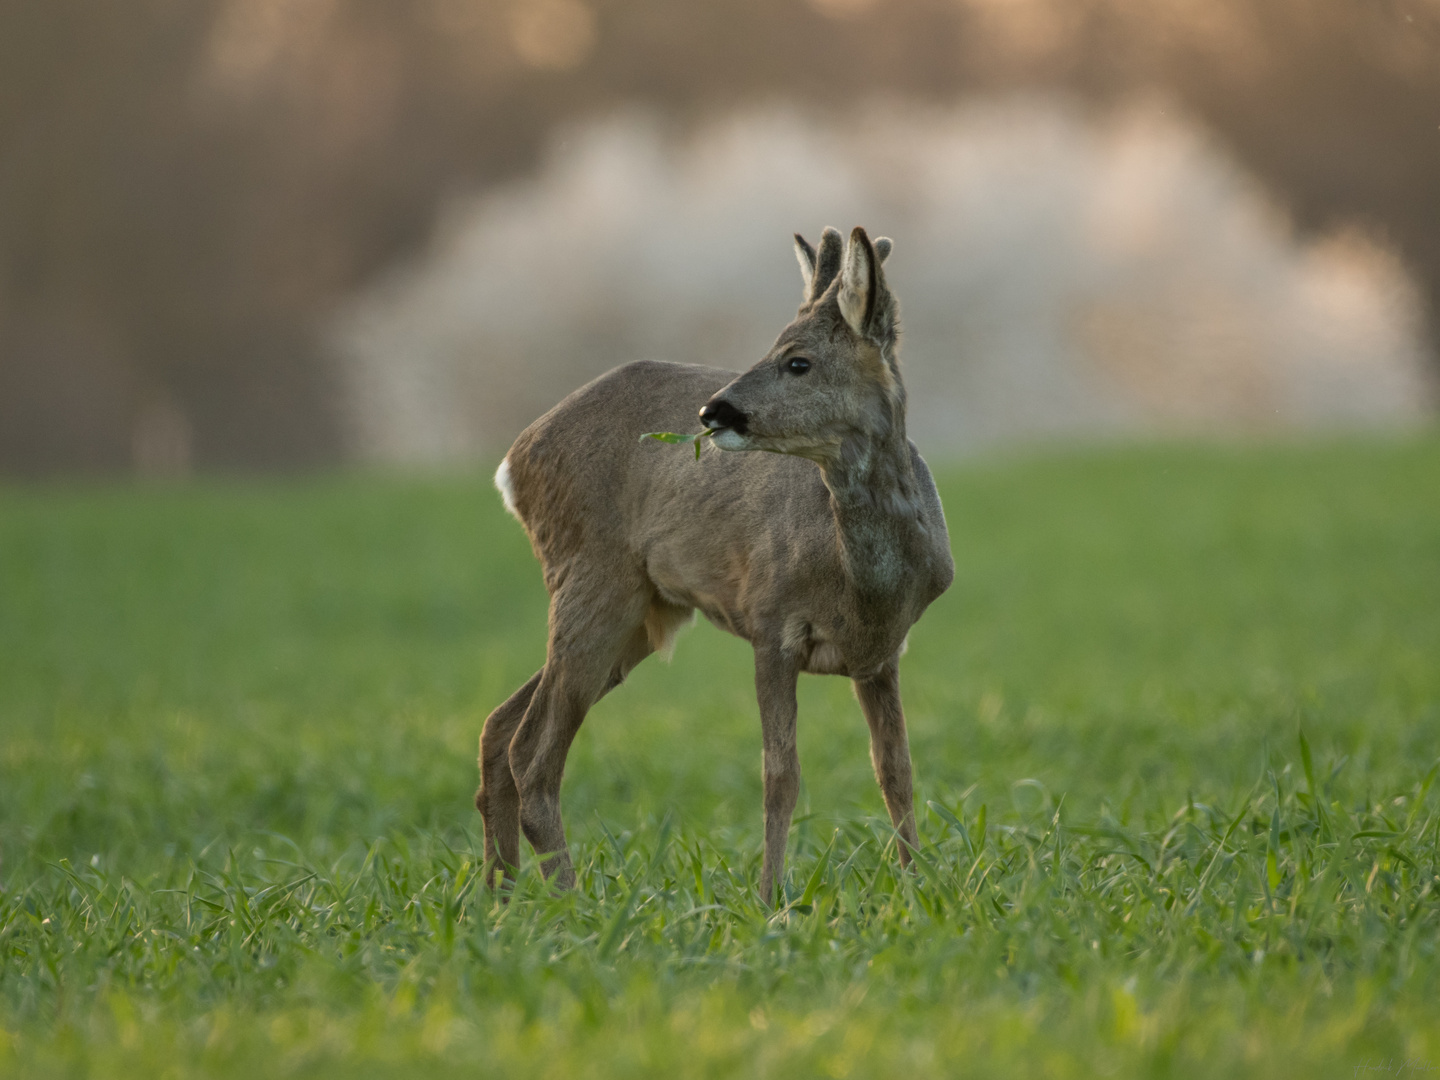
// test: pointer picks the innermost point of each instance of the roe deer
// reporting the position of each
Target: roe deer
(822, 553)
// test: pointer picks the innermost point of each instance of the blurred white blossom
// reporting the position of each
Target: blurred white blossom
(1059, 273)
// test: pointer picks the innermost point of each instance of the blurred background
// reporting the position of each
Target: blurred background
(281, 234)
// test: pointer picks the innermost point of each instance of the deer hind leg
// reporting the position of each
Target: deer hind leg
(594, 642)
(498, 800)
(890, 751)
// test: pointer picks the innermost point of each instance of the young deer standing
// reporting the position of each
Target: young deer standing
(821, 553)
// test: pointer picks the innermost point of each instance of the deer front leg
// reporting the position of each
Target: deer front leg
(775, 678)
(890, 751)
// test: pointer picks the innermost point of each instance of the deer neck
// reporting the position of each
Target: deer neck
(875, 500)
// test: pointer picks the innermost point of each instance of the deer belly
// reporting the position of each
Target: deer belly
(811, 645)
(722, 615)
(820, 653)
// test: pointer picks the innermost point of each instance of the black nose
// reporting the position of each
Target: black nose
(721, 414)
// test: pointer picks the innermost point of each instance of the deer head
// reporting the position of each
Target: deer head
(830, 383)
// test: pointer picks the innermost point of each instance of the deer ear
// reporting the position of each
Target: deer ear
(856, 296)
(883, 244)
(805, 256)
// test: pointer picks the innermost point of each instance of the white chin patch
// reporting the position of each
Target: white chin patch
(727, 439)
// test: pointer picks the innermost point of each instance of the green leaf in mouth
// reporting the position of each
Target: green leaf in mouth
(677, 437)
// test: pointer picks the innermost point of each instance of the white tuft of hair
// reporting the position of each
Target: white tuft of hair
(663, 623)
(506, 488)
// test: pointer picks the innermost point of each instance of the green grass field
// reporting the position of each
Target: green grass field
(1175, 729)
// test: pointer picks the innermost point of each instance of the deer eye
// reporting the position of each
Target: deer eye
(798, 365)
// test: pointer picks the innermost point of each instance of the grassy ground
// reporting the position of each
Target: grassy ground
(1175, 730)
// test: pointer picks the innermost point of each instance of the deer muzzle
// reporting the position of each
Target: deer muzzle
(719, 414)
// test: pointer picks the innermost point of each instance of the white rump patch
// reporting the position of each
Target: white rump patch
(506, 488)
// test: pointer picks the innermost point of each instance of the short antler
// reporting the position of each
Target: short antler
(819, 268)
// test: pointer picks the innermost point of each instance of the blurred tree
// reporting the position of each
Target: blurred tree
(188, 186)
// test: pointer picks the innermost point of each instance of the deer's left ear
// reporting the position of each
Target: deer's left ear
(858, 284)
(805, 256)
